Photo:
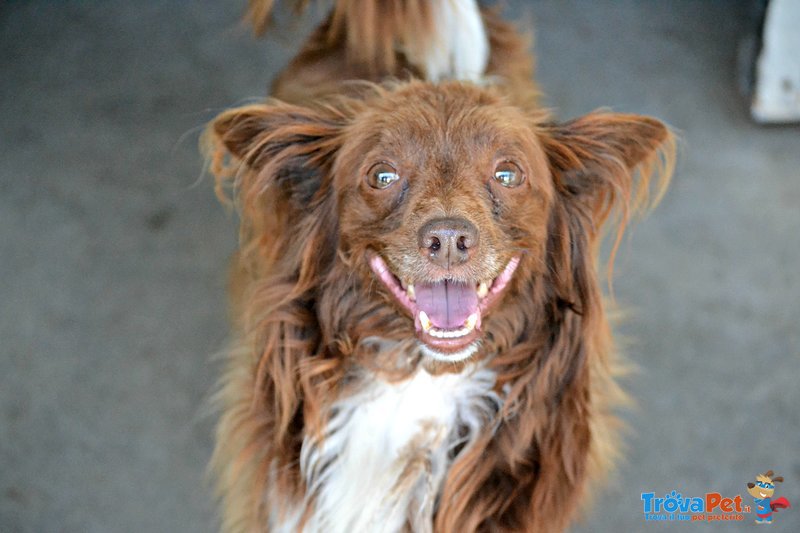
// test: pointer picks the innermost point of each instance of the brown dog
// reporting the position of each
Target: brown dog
(422, 342)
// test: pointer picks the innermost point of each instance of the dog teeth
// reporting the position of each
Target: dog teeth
(412, 295)
(469, 325)
(483, 289)
(424, 321)
(472, 319)
(448, 333)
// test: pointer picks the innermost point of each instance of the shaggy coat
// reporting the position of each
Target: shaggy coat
(340, 410)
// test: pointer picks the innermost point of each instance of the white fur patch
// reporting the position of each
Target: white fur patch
(467, 352)
(387, 449)
(460, 49)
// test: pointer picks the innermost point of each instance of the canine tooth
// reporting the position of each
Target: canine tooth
(472, 320)
(483, 290)
(424, 321)
(412, 295)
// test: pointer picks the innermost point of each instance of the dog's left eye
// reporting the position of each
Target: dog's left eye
(382, 175)
(509, 174)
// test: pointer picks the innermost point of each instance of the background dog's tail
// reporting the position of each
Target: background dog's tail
(441, 39)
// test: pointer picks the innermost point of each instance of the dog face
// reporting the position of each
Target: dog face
(454, 212)
(764, 487)
(442, 194)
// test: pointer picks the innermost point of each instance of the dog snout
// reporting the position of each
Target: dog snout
(448, 242)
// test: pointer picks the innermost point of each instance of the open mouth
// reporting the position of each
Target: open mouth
(447, 313)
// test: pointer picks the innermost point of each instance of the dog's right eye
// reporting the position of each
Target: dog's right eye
(381, 175)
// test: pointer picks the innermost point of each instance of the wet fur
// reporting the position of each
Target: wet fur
(314, 326)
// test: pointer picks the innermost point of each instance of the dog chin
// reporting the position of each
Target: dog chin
(450, 357)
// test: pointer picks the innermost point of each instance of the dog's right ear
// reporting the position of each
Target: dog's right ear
(261, 147)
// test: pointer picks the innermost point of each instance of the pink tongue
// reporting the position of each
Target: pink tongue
(447, 303)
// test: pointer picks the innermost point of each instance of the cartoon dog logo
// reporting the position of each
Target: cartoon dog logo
(762, 491)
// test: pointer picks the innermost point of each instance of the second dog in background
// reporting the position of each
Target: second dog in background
(421, 339)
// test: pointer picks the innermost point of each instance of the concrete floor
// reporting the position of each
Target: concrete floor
(113, 252)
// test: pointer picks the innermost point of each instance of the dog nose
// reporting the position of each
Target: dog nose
(448, 242)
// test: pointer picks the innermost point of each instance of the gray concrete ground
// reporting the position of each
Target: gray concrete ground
(113, 253)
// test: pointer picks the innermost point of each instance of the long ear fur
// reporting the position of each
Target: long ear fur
(602, 164)
(274, 156)
(595, 161)
(278, 159)
(279, 143)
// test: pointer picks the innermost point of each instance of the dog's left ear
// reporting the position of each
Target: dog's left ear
(600, 163)
(594, 160)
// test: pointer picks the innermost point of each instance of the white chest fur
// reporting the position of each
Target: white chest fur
(387, 449)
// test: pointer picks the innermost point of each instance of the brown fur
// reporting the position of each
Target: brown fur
(359, 41)
(309, 298)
